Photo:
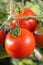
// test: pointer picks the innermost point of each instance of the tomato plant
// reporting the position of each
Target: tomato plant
(39, 36)
(29, 24)
(20, 46)
(1, 36)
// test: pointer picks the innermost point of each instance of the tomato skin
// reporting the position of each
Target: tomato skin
(13, 23)
(22, 46)
(38, 33)
(29, 24)
(1, 36)
(39, 40)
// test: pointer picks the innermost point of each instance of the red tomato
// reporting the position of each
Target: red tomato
(13, 23)
(29, 24)
(39, 39)
(39, 36)
(21, 46)
(1, 36)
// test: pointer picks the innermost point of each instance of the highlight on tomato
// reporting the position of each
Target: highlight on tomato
(13, 23)
(29, 24)
(19, 43)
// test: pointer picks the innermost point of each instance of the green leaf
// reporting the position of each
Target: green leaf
(34, 7)
(40, 3)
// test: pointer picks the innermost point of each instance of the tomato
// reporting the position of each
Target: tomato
(29, 24)
(1, 36)
(21, 46)
(38, 33)
(13, 23)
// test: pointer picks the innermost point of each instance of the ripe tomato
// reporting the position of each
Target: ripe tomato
(1, 36)
(29, 24)
(13, 23)
(21, 46)
(39, 36)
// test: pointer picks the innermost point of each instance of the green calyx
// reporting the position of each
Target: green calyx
(15, 31)
(18, 9)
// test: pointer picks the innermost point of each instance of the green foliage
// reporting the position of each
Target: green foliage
(40, 3)
(3, 10)
(3, 53)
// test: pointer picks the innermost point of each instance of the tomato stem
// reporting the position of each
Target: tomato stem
(19, 18)
(29, 17)
(11, 4)
(2, 26)
(37, 54)
(6, 23)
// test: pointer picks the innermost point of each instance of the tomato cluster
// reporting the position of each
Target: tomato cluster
(21, 42)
